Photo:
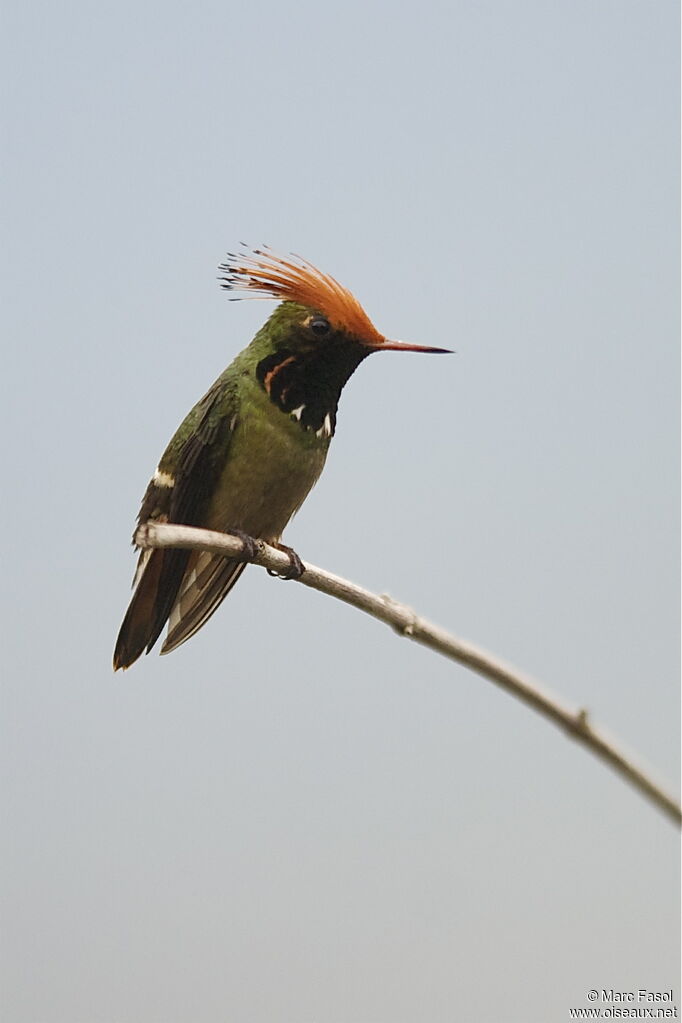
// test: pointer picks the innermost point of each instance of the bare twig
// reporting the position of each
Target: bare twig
(574, 723)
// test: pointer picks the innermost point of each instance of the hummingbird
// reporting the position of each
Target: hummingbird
(246, 456)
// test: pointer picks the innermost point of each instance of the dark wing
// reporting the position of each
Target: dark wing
(180, 492)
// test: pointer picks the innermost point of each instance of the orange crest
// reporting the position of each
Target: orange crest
(262, 274)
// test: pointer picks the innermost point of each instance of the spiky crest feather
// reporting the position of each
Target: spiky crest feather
(263, 274)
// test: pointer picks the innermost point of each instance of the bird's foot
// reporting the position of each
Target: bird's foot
(295, 570)
(249, 545)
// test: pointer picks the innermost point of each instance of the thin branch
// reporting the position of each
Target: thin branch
(574, 723)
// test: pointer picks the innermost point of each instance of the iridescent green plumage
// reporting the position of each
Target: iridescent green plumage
(246, 456)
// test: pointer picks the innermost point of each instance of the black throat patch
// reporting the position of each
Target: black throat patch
(307, 385)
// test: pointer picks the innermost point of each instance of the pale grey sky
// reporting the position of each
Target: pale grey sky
(298, 817)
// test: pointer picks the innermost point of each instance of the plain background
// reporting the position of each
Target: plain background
(298, 816)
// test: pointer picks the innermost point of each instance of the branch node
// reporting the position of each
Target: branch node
(404, 618)
(579, 725)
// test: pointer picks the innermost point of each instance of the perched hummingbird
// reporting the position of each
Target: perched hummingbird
(246, 456)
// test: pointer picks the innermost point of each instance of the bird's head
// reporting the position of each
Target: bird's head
(316, 310)
(305, 353)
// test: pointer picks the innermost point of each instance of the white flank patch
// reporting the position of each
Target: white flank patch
(163, 479)
(298, 412)
(326, 428)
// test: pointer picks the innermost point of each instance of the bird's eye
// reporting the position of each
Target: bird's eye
(319, 326)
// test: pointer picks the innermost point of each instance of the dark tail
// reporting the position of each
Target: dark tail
(185, 586)
(152, 600)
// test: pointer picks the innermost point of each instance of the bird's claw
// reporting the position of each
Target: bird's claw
(249, 545)
(295, 570)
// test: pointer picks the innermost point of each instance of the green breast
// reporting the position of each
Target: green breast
(271, 466)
